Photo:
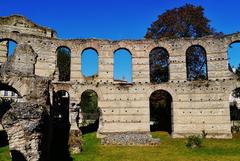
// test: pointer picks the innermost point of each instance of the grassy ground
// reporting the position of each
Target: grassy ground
(168, 150)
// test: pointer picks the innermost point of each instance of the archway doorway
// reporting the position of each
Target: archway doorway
(161, 111)
(89, 111)
(234, 100)
(60, 126)
(8, 95)
(60, 111)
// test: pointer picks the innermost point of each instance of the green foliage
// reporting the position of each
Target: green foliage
(89, 105)
(235, 129)
(63, 63)
(185, 21)
(196, 63)
(159, 62)
(169, 150)
(194, 141)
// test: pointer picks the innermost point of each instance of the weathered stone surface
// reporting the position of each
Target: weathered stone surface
(130, 139)
(21, 63)
(196, 106)
(25, 124)
(75, 141)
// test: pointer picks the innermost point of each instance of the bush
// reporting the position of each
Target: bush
(235, 129)
(194, 141)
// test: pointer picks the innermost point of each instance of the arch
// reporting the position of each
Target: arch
(6, 87)
(60, 126)
(8, 95)
(122, 65)
(159, 65)
(64, 63)
(60, 109)
(89, 61)
(160, 104)
(234, 57)
(234, 104)
(7, 48)
(90, 111)
(196, 63)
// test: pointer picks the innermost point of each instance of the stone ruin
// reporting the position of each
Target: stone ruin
(32, 71)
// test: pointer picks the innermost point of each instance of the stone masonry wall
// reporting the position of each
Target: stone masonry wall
(196, 106)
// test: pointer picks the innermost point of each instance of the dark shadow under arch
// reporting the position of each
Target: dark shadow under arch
(89, 111)
(59, 127)
(160, 103)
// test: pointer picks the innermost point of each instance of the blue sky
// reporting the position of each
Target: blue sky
(111, 19)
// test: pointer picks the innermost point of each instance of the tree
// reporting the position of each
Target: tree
(63, 63)
(185, 21)
(89, 105)
(196, 61)
(159, 65)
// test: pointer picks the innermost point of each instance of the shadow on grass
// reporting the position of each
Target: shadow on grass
(90, 128)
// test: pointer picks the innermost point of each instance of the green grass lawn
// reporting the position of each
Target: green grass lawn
(169, 150)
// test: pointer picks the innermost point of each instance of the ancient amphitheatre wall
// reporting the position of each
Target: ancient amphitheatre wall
(196, 105)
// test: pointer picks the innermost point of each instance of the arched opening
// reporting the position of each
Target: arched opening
(90, 63)
(60, 111)
(89, 111)
(196, 62)
(234, 100)
(60, 126)
(7, 48)
(64, 63)
(8, 95)
(123, 66)
(234, 57)
(161, 111)
(159, 65)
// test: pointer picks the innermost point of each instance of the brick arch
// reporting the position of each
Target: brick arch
(93, 88)
(157, 88)
(130, 50)
(90, 48)
(164, 119)
(11, 36)
(14, 88)
(204, 54)
(165, 46)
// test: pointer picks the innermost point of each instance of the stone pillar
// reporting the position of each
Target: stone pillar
(3, 51)
(25, 124)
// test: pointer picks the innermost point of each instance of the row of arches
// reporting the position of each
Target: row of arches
(89, 63)
(158, 59)
(160, 107)
(160, 104)
(196, 62)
